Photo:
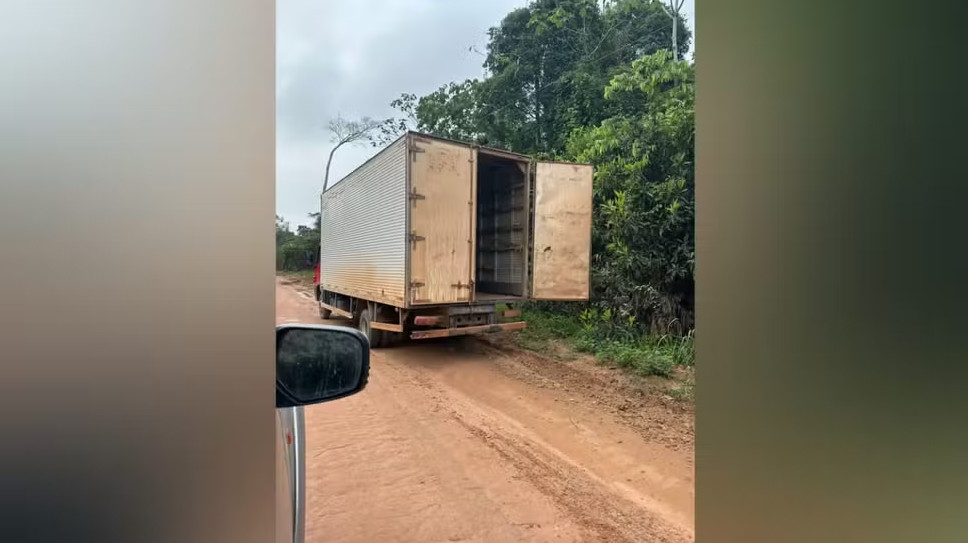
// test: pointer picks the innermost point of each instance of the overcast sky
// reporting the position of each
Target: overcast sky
(353, 58)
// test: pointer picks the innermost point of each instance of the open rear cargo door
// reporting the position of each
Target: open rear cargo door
(562, 231)
(441, 218)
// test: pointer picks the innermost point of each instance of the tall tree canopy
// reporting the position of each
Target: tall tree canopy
(547, 65)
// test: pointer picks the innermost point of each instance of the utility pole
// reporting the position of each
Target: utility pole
(672, 10)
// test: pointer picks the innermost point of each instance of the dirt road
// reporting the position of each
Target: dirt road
(456, 441)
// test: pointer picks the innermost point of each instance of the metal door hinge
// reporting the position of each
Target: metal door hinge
(460, 284)
(416, 284)
(414, 238)
(413, 196)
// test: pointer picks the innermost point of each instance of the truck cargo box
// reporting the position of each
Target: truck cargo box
(429, 221)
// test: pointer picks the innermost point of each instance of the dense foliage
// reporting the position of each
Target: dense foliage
(297, 250)
(643, 235)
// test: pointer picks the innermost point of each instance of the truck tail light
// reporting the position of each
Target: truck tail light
(426, 320)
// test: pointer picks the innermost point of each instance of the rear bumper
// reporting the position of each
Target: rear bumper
(467, 330)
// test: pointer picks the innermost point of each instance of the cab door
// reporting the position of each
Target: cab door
(562, 235)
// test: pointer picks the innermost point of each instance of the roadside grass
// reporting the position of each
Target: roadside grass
(612, 341)
(549, 334)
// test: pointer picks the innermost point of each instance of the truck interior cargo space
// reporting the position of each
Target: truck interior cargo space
(502, 227)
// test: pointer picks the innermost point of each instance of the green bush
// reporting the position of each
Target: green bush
(297, 251)
(660, 364)
(584, 344)
(609, 337)
(642, 359)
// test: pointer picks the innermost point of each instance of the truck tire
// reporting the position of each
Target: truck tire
(324, 313)
(374, 336)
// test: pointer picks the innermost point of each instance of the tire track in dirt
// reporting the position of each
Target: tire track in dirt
(604, 515)
(656, 418)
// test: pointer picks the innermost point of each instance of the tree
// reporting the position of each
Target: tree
(297, 250)
(644, 221)
(348, 131)
(532, 56)
(641, 27)
(283, 234)
(547, 64)
(453, 111)
(392, 128)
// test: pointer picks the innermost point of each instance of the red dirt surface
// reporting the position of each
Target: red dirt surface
(468, 440)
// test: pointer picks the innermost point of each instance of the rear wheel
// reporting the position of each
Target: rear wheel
(374, 336)
(323, 312)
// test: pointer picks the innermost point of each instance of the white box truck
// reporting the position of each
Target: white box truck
(433, 237)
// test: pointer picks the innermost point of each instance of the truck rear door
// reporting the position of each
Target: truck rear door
(562, 237)
(441, 236)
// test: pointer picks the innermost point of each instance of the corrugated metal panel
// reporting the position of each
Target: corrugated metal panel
(363, 230)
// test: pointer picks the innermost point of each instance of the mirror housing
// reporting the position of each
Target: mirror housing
(318, 363)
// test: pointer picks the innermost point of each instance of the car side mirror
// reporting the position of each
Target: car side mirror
(318, 363)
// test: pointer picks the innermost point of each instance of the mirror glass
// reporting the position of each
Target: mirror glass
(317, 364)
